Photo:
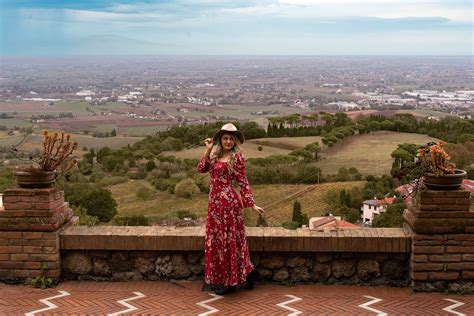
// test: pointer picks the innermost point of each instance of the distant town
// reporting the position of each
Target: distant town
(170, 91)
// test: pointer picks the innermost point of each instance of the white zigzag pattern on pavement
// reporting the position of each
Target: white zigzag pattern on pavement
(455, 305)
(210, 308)
(293, 299)
(373, 301)
(130, 307)
(48, 303)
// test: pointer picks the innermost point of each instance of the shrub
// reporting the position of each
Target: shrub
(84, 218)
(97, 201)
(186, 188)
(290, 225)
(131, 220)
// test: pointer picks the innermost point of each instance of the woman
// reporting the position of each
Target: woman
(227, 254)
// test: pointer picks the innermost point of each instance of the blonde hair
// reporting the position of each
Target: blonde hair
(217, 151)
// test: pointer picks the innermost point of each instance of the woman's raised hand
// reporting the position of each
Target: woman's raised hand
(258, 209)
(208, 143)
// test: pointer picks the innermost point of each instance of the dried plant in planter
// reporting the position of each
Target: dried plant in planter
(434, 170)
(432, 158)
(55, 160)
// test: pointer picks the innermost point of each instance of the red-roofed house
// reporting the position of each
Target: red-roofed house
(371, 208)
(329, 222)
(468, 185)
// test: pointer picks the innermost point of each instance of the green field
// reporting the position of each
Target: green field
(104, 128)
(277, 200)
(142, 130)
(11, 123)
(369, 153)
(7, 140)
(34, 141)
(80, 107)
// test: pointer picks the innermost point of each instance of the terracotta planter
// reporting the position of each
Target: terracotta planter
(34, 178)
(445, 182)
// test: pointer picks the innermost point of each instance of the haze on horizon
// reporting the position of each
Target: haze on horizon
(256, 27)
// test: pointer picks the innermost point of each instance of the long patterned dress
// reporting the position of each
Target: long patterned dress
(227, 254)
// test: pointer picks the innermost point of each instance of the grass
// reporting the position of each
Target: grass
(104, 128)
(161, 205)
(142, 130)
(369, 153)
(288, 142)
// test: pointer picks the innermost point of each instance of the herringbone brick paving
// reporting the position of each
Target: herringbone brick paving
(182, 298)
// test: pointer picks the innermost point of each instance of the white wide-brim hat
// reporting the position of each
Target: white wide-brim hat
(229, 129)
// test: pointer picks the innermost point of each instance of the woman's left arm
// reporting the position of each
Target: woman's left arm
(245, 192)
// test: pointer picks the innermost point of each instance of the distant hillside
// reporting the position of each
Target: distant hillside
(369, 153)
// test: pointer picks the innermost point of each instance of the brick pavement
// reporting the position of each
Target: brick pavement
(187, 298)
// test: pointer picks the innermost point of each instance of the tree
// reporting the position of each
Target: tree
(296, 212)
(298, 216)
(393, 217)
(97, 201)
(150, 165)
(113, 133)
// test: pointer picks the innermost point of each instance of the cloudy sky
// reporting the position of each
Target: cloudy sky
(215, 27)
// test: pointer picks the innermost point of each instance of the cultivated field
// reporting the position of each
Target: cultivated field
(250, 150)
(369, 153)
(277, 200)
(287, 142)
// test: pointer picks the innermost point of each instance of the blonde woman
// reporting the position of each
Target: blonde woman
(226, 250)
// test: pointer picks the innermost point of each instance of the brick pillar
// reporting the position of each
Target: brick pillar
(442, 250)
(30, 221)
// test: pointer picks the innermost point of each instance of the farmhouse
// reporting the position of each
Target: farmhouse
(371, 208)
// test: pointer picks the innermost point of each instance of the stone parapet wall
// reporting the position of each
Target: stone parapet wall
(29, 233)
(283, 267)
(345, 256)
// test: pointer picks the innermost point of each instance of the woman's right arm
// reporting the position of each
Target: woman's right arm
(205, 161)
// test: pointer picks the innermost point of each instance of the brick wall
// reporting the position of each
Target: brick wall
(30, 221)
(442, 230)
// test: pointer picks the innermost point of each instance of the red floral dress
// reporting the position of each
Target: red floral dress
(227, 254)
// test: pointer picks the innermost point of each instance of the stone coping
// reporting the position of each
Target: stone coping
(264, 239)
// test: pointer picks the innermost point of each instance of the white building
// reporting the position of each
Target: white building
(371, 208)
